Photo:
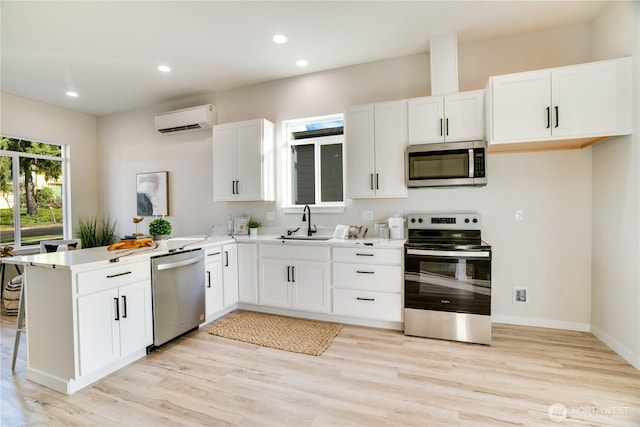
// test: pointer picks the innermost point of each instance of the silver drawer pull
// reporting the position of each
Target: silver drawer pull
(360, 254)
(365, 299)
(111, 276)
(214, 254)
(445, 301)
(365, 272)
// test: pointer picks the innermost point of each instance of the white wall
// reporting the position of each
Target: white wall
(549, 252)
(25, 118)
(616, 200)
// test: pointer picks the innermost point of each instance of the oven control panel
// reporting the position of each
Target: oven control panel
(439, 221)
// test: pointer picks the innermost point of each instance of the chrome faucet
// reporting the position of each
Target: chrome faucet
(304, 218)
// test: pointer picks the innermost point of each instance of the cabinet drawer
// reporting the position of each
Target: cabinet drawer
(368, 256)
(370, 305)
(294, 251)
(380, 278)
(104, 278)
(213, 255)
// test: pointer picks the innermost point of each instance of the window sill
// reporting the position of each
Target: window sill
(314, 209)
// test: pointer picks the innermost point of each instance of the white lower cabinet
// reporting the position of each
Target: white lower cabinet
(113, 323)
(247, 273)
(230, 274)
(214, 290)
(287, 281)
(367, 283)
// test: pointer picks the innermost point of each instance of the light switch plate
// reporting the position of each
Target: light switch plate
(367, 215)
(271, 216)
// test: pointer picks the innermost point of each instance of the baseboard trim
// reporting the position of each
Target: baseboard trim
(621, 350)
(542, 323)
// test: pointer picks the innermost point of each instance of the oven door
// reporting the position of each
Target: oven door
(454, 281)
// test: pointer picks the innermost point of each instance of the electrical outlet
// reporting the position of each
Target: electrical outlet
(520, 295)
(271, 216)
(519, 215)
(367, 215)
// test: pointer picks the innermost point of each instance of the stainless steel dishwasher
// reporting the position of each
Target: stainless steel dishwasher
(177, 283)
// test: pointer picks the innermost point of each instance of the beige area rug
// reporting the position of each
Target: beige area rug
(281, 332)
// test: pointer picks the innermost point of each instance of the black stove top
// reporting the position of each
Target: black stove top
(456, 232)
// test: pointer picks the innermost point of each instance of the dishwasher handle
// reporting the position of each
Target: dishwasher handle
(176, 264)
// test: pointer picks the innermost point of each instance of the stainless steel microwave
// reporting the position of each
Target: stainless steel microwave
(447, 165)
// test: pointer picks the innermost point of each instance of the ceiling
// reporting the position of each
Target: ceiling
(108, 52)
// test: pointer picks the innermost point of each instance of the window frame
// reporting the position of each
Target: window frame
(287, 170)
(66, 193)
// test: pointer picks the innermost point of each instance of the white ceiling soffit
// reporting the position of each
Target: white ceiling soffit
(109, 52)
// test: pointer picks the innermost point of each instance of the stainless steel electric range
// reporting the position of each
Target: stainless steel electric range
(447, 278)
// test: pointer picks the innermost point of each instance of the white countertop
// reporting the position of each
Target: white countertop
(92, 257)
(331, 241)
(89, 257)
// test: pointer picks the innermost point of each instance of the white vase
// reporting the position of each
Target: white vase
(253, 232)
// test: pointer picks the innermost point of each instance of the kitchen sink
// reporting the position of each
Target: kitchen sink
(320, 238)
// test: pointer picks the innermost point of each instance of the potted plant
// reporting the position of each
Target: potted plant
(253, 227)
(160, 229)
(94, 232)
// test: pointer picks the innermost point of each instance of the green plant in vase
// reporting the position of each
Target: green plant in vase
(94, 232)
(253, 226)
(159, 228)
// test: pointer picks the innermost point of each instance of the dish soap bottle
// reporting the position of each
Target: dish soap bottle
(229, 225)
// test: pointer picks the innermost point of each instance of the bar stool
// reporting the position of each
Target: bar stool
(5, 251)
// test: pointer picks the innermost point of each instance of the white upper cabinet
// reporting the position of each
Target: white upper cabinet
(243, 161)
(566, 107)
(451, 118)
(376, 138)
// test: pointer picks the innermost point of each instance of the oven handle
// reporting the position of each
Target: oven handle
(449, 254)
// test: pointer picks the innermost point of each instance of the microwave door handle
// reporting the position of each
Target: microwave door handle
(472, 162)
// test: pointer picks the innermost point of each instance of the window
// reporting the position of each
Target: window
(314, 162)
(32, 192)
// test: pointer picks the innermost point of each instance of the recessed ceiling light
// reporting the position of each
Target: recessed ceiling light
(164, 68)
(71, 94)
(279, 38)
(302, 63)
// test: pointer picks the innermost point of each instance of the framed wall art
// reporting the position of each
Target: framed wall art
(241, 225)
(152, 193)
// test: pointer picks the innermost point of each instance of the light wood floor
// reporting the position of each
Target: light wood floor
(367, 377)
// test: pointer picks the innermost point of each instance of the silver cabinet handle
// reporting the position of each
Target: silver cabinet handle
(363, 254)
(176, 264)
(365, 299)
(365, 272)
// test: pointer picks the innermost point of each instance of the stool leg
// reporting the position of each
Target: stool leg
(19, 327)
(2, 280)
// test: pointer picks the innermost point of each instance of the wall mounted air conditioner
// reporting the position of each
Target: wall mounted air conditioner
(187, 120)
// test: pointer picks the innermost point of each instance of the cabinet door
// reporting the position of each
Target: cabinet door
(98, 330)
(214, 291)
(136, 329)
(520, 107)
(584, 100)
(224, 163)
(360, 151)
(230, 274)
(310, 286)
(426, 120)
(274, 282)
(247, 273)
(249, 160)
(390, 144)
(464, 116)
